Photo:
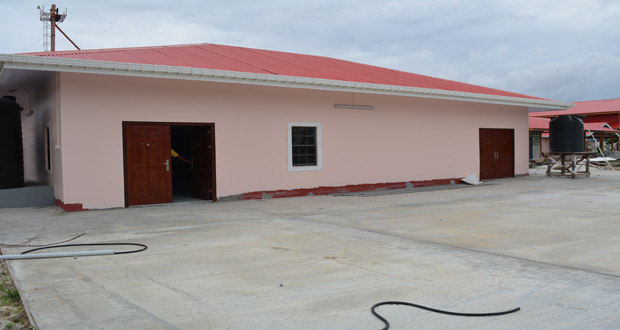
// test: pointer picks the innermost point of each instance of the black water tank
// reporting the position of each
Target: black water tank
(566, 134)
(11, 147)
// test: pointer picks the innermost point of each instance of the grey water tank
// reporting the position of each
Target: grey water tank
(566, 134)
(11, 146)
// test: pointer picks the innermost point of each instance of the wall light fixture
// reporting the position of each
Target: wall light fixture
(351, 106)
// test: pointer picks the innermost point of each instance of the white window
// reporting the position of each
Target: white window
(304, 147)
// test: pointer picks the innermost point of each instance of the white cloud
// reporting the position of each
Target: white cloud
(562, 50)
(593, 76)
(576, 78)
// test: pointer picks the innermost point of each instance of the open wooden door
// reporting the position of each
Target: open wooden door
(203, 162)
(496, 153)
(148, 178)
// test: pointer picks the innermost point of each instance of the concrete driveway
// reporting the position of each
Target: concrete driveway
(548, 245)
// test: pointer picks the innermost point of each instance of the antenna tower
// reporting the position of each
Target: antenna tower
(49, 19)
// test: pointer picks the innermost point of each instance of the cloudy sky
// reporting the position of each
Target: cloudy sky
(565, 50)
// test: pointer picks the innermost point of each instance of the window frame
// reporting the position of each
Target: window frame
(319, 149)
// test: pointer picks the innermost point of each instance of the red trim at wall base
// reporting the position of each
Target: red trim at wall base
(346, 189)
(77, 207)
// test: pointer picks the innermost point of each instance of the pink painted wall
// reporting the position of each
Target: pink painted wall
(403, 139)
(545, 145)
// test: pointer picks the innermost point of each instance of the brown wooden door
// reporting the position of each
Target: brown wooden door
(148, 178)
(496, 153)
(203, 156)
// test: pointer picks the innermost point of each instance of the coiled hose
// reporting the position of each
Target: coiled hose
(387, 324)
(142, 247)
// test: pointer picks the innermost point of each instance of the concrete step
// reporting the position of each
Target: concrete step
(32, 194)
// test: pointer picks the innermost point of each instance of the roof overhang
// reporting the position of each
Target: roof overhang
(43, 64)
(20, 83)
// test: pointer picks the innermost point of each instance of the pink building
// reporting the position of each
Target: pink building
(253, 124)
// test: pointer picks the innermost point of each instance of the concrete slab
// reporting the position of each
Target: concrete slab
(547, 245)
(32, 194)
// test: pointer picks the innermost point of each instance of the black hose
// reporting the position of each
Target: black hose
(143, 247)
(387, 324)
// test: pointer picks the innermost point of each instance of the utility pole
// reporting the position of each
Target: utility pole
(50, 20)
(53, 19)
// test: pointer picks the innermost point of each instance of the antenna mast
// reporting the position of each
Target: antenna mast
(49, 19)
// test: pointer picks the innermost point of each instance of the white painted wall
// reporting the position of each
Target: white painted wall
(403, 139)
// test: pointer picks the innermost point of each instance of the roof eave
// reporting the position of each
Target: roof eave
(44, 63)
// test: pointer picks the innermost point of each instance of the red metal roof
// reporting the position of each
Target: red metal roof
(240, 59)
(611, 106)
(599, 127)
(542, 124)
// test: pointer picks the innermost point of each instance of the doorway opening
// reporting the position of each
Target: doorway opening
(154, 176)
(193, 169)
(181, 143)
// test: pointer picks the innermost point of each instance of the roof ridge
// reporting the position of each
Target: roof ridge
(110, 50)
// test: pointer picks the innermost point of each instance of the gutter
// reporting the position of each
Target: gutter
(44, 63)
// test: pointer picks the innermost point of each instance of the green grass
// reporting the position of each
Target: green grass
(9, 297)
(8, 293)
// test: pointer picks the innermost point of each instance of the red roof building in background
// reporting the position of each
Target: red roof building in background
(600, 117)
(542, 124)
(598, 111)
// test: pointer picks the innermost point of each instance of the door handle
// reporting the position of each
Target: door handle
(167, 163)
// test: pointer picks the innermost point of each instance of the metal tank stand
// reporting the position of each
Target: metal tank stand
(569, 164)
